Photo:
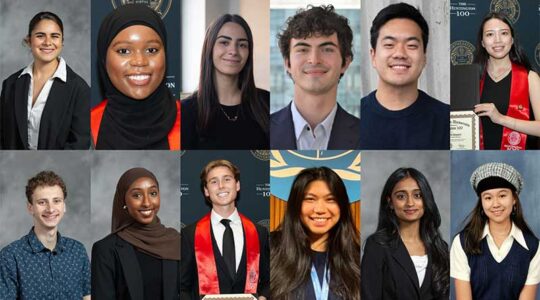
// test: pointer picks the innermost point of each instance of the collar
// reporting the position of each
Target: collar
(215, 218)
(60, 73)
(300, 123)
(37, 246)
(515, 233)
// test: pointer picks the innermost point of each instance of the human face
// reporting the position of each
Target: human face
(315, 64)
(498, 204)
(231, 49)
(45, 41)
(136, 61)
(399, 56)
(320, 209)
(142, 200)
(406, 201)
(48, 207)
(497, 38)
(221, 187)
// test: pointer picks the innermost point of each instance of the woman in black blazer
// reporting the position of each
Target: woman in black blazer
(406, 258)
(45, 105)
(140, 259)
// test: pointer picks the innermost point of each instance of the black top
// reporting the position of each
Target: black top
(151, 270)
(423, 125)
(498, 93)
(319, 260)
(244, 133)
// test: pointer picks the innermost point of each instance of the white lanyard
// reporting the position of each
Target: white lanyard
(320, 294)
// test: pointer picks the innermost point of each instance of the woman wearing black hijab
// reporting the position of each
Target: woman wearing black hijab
(140, 258)
(139, 111)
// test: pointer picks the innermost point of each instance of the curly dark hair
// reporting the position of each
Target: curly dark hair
(44, 178)
(317, 20)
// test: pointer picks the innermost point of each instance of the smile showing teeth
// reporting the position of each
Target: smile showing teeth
(223, 194)
(399, 67)
(319, 221)
(139, 79)
(146, 212)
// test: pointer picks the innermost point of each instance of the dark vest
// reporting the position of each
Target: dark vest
(505, 280)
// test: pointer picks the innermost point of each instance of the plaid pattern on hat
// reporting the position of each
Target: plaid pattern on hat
(496, 169)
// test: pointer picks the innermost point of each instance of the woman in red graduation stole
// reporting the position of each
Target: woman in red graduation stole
(315, 252)
(508, 85)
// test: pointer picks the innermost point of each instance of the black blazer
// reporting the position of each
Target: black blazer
(345, 130)
(116, 273)
(65, 123)
(389, 273)
(189, 283)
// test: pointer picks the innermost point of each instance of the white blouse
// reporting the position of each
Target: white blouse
(420, 264)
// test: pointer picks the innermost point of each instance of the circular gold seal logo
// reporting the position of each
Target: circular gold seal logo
(508, 7)
(162, 7)
(461, 53)
(537, 54)
(261, 154)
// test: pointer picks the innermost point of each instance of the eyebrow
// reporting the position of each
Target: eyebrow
(414, 190)
(52, 33)
(392, 38)
(156, 41)
(304, 44)
(230, 38)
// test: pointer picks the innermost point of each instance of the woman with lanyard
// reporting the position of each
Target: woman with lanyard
(140, 259)
(315, 252)
(496, 254)
(45, 105)
(508, 85)
(139, 111)
(406, 258)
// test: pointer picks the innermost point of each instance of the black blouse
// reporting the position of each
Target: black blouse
(151, 269)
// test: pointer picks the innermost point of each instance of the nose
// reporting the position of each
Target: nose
(220, 183)
(314, 57)
(145, 200)
(233, 49)
(319, 207)
(139, 59)
(399, 51)
(47, 40)
(410, 201)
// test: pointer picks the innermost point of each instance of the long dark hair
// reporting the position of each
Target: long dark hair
(477, 219)
(290, 259)
(516, 54)
(207, 97)
(387, 233)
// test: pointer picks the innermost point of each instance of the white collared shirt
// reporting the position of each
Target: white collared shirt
(34, 112)
(238, 233)
(459, 266)
(420, 263)
(308, 138)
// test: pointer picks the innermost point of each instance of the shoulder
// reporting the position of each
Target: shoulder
(368, 99)
(73, 244)
(13, 77)
(13, 248)
(433, 104)
(106, 243)
(534, 78)
(74, 78)
(190, 102)
(263, 95)
(343, 114)
(281, 114)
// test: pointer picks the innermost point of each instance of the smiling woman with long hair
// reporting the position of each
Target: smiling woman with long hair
(227, 111)
(139, 111)
(406, 258)
(316, 248)
(45, 105)
(510, 88)
(496, 254)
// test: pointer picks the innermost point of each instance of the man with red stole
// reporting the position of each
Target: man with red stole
(224, 252)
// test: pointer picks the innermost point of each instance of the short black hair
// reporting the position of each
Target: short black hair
(398, 11)
(313, 21)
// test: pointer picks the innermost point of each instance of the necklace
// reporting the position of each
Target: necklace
(501, 74)
(231, 119)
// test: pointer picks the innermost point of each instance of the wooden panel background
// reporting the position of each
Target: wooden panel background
(279, 206)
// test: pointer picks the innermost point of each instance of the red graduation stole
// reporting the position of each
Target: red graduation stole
(206, 262)
(517, 108)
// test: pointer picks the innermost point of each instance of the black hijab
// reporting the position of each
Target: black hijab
(129, 123)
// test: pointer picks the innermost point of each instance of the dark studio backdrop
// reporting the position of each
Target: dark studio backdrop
(170, 12)
(254, 183)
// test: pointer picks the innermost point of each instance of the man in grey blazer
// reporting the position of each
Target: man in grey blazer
(317, 50)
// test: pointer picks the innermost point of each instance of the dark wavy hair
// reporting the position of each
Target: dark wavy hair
(517, 54)
(317, 20)
(477, 219)
(387, 233)
(398, 11)
(44, 179)
(290, 259)
(207, 97)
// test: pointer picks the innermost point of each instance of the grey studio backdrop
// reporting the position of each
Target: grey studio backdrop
(435, 79)
(254, 183)
(108, 166)
(377, 167)
(464, 198)
(14, 19)
(16, 167)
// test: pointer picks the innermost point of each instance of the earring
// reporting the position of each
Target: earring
(124, 207)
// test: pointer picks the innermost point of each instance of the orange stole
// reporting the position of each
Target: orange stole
(206, 262)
